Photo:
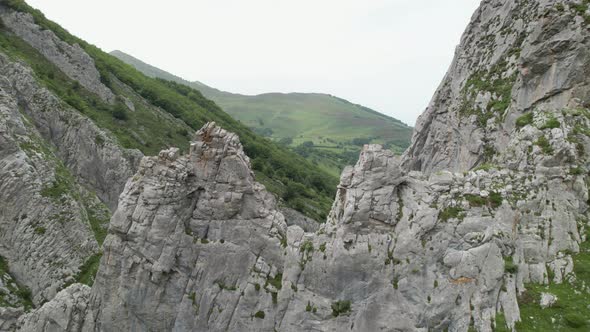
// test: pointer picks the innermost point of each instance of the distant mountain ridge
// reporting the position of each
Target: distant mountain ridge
(156, 72)
(325, 129)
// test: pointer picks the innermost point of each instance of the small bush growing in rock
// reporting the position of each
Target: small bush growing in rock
(509, 265)
(276, 282)
(340, 307)
(475, 200)
(495, 199)
(524, 120)
(99, 140)
(307, 246)
(450, 213)
(26, 296)
(544, 144)
(259, 314)
(485, 167)
(120, 113)
(550, 124)
(40, 230)
(560, 7)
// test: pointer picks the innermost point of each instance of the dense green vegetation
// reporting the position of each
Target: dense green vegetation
(175, 110)
(509, 265)
(326, 130)
(545, 145)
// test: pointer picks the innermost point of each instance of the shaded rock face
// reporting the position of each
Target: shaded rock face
(71, 59)
(515, 57)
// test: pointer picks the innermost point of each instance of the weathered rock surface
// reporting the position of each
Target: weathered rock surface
(66, 312)
(197, 233)
(9, 317)
(196, 244)
(294, 217)
(45, 234)
(93, 157)
(71, 59)
(53, 167)
(515, 57)
(415, 243)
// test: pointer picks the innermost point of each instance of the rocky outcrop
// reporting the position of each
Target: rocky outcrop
(195, 232)
(54, 161)
(515, 57)
(427, 241)
(70, 59)
(45, 234)
(294, 217)
(92, 156)
(196, 244)
(66, 312)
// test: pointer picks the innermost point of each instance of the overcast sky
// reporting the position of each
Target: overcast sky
(389, 55)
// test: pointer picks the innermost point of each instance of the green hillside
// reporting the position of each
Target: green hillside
(166, 113)
(325, 129)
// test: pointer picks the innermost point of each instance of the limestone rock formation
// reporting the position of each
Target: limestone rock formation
(491, 196)
(66, 312)
(60, 175)
(515, 57)
(45, 234)
(294, 217)
(195, 232)
(196, 244)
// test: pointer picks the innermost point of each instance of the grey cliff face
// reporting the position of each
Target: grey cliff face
(56, 176)
(515, 57)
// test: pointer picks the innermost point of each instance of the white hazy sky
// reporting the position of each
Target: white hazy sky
(389, 55)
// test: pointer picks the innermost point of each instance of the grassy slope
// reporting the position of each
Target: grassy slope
(166, 114)
(329, 122)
